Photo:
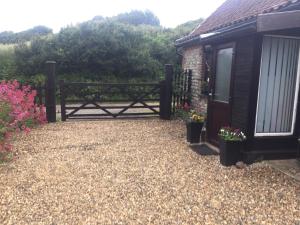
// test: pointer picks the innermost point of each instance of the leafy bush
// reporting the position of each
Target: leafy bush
(183, 112)
(5, 119)
(7, 61)
(9, 37)
(18, 112)
(130, 46)
(127, 47)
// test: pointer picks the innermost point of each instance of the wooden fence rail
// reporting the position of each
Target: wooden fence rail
(95, 100)
(106, 99)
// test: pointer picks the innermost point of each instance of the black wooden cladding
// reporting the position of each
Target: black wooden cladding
(247, 72)
(182, 87)
(243, 72)
(98, 97)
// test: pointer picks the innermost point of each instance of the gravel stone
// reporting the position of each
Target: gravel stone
(240, 165)
(135, 172)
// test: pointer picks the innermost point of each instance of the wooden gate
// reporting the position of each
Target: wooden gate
(182, 89)
(98, 100)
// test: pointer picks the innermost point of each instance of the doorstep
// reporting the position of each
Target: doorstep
(216, 149)
(212, 147)
(290, 167)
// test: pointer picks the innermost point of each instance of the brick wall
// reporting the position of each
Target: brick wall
(193, 59)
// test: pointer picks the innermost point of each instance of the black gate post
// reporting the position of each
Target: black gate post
(62, 100)
(189, 88)
(162, 104)
(166, 94)
(50, 92)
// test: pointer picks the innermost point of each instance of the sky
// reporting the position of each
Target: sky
(18, 15)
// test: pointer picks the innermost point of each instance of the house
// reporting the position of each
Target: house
(248, 51)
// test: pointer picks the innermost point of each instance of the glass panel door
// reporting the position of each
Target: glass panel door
(223, 75)
(219, 109)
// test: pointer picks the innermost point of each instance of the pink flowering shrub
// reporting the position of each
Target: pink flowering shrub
(18, 112)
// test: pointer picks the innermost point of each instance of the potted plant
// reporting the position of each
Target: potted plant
(194, 127)
(231, 145)
(182, 112)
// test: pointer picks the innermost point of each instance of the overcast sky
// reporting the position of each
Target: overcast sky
(17, 15)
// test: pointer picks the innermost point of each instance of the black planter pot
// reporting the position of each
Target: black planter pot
(230, 152)
(193, 131)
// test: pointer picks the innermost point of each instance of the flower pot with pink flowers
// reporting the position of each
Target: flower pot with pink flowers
(232, 142)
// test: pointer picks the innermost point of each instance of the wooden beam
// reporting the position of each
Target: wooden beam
(278, 21)
(50, 100)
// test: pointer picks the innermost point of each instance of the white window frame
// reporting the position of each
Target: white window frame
(295, 100)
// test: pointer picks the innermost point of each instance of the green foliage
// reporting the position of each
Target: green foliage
(186, 28)
(30, 57)
(30, 123)
(38, 79)
(9, 37)
(128, 47)
(182, 114)
(7, 61)
(6, 157)
(4, 118)
(137, 17)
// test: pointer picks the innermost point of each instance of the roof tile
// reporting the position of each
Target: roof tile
(235, 11)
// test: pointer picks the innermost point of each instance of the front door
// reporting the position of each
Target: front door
(219, 110)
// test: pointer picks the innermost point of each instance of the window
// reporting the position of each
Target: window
(223, 75)
(278, 87)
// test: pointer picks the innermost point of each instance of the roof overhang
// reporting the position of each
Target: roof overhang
(278, 21)
(228, 32)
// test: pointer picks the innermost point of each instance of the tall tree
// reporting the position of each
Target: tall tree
(129, 46)
(9, 37)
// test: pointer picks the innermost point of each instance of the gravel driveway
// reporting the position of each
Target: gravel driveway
(135, 172)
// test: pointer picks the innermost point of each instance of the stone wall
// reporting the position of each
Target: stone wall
(193, 59)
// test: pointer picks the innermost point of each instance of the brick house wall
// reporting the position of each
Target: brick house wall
(193, 59)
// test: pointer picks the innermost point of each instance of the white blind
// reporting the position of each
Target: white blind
(278, 86)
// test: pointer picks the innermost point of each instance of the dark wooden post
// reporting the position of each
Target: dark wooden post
(182, 87)
(189, 88)
(50, 92)
(166, 94)
(162, 99)
(40, 94)
(185, 84)
(174, 87)
(62, 100)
